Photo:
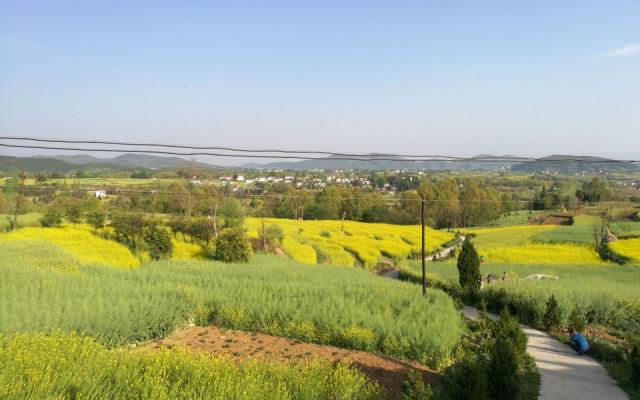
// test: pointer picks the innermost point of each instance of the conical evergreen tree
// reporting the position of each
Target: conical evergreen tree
(469, 268)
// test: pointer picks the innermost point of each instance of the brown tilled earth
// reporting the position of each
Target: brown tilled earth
(386, 371)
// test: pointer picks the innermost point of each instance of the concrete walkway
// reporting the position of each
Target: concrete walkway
(564, 374)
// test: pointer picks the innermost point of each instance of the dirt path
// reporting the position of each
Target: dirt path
(444, 252)
(386, 371)
(563, 374)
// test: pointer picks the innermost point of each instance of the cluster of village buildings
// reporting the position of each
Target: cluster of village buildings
(297, 181)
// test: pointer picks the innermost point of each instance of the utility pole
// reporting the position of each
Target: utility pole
(14, 223)
(424, 269)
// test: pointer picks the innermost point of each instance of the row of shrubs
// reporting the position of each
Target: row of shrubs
(153, 235)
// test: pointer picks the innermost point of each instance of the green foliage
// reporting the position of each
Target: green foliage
(272, 294)
(414, 387)
(73, 212)
(74, 367)
(203, 229)
(466, 380)
(157, 241)
(504, 380)
(509, 329)
(552, 318)
(607, 294)
(232, 246)
(52, 217)
(577, 320)
(273, 234)
(232, 213)
(594, 191)
(97, 218)
(634, 359)
(128, 229)
(469, 268)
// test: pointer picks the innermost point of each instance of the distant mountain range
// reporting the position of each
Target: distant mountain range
(574, 164)
(131, 161)
(383, 162)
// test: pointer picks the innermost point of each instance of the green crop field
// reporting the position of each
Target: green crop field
(625, 229)
(520, 217)
(336, 305)
(30, 219)
(581, 231)
(609, 294)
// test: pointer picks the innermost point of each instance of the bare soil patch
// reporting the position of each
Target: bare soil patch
(386, 371)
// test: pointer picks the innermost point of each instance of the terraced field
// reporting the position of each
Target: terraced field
(536, 244)
(360, 243)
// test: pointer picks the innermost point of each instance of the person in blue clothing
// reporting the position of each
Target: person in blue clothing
(579, 343)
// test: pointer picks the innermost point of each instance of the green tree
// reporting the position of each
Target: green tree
(594, 191)
(97, 218)
(329, 203)
(157, 240)
(232, 246)
(509, 328)
(232, 213)
(73, 212)
(552, 318)
(271, 234)
(52, 217)
(202, 229)
(469, 268)
(503, 371)
(128, 229)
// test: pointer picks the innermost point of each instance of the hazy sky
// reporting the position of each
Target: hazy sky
(455, 77)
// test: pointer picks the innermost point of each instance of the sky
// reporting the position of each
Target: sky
(449, 77)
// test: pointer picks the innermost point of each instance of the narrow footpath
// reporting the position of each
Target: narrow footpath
(564, 374)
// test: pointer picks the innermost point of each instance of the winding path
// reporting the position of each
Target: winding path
(563, 374)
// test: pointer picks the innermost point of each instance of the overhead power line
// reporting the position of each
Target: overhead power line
(283, 154)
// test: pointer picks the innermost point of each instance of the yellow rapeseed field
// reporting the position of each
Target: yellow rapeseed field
(518, 245)
(324, 241)
(628, 248)
(186, 251)
(78, 242)
(572, 254)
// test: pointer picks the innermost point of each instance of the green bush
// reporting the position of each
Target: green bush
(465, 380)
(157, 241)
(552, 318)
(414, 387)
(51, 218)
(634, 359)
(469, 268)
(232, 246)
(273, 234)
(509, 329)
(504, 380)
(577, 320)
(97, 219)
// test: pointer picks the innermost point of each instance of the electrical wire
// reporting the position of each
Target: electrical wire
(285, 154)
